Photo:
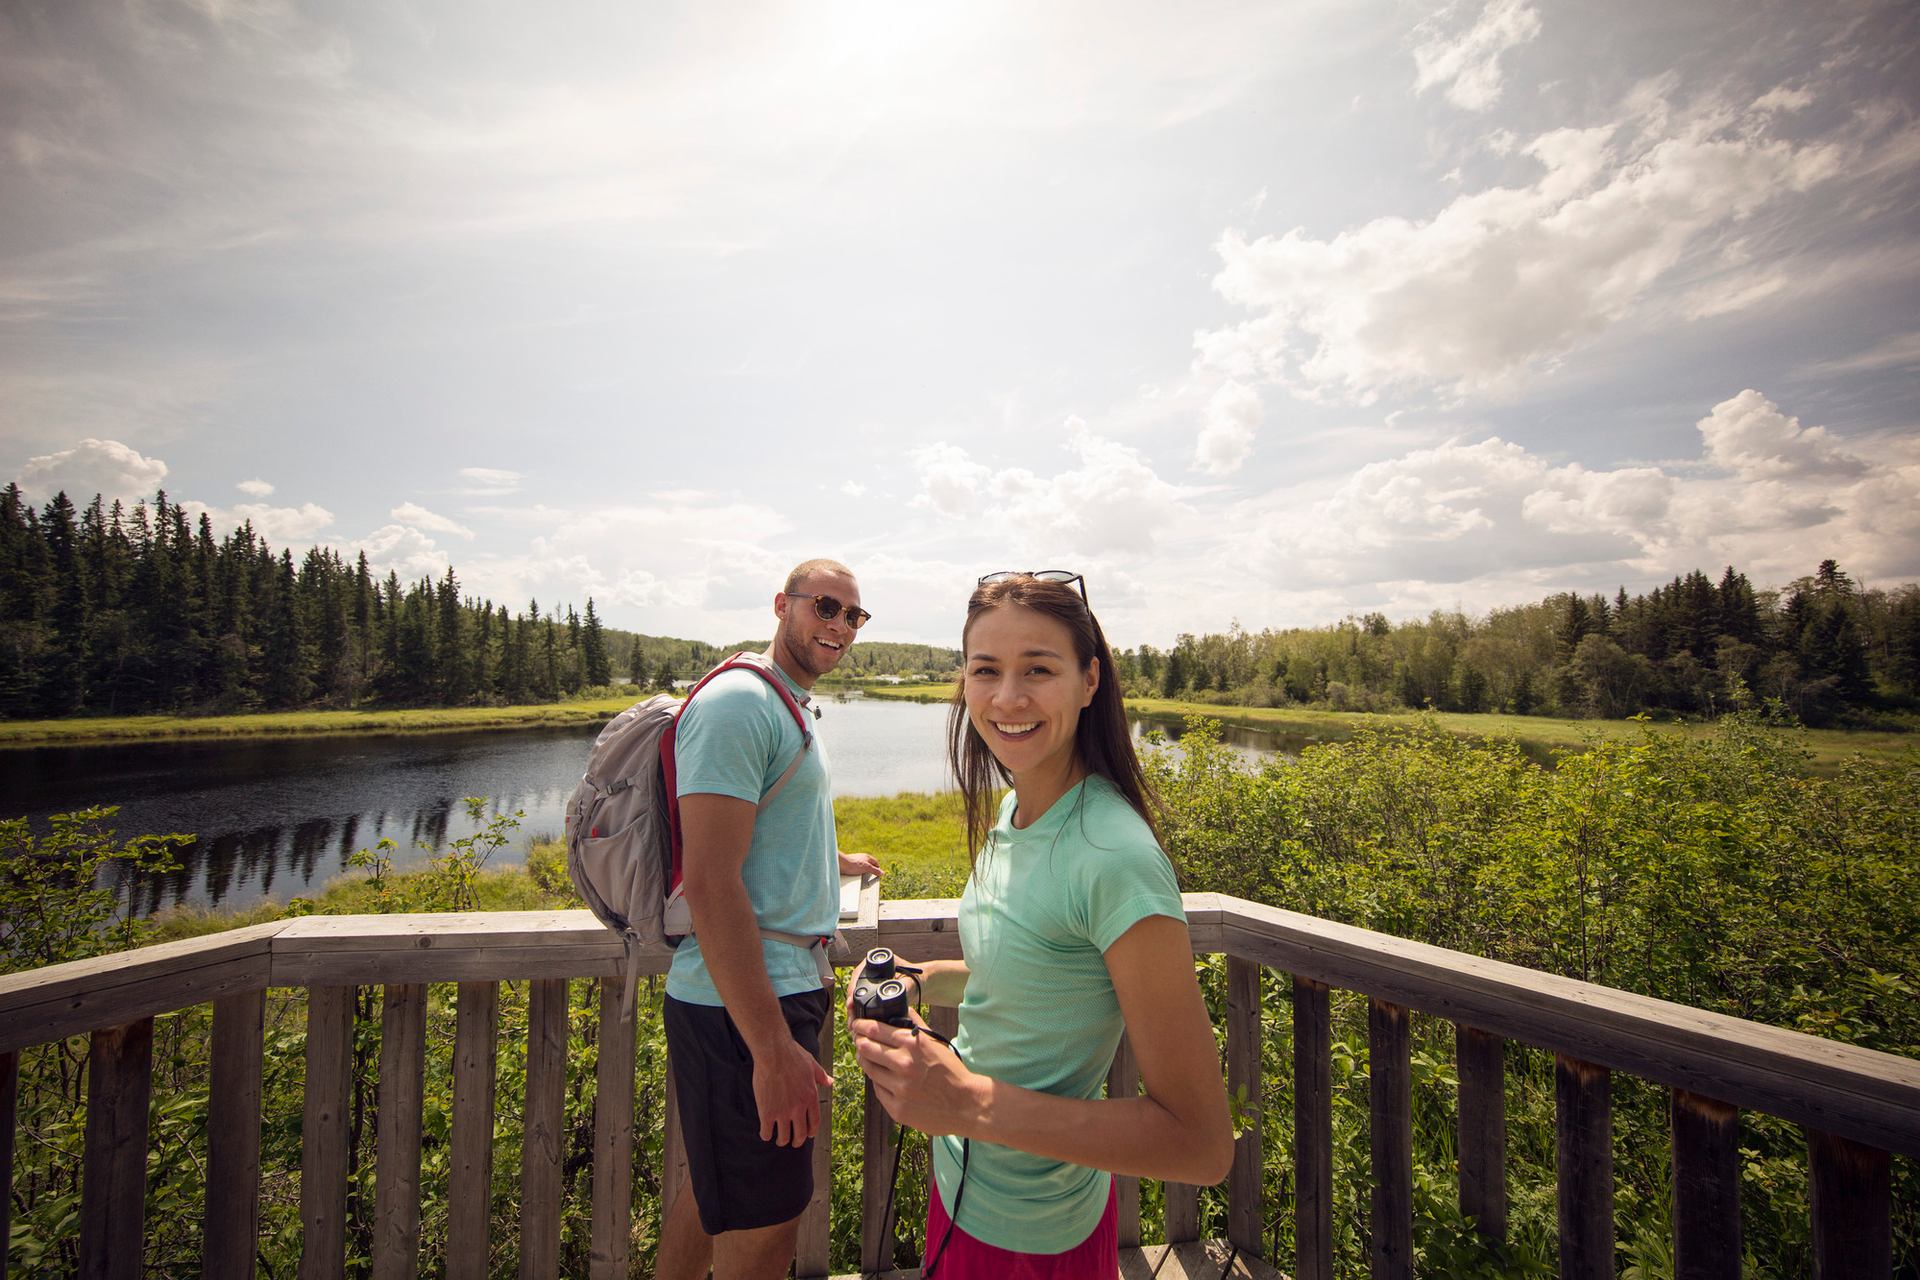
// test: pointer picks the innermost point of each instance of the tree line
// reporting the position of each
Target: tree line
(116, 611)
(1823, 647)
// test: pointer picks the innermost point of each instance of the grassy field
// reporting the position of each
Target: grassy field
(918, 839)
(1294, 726)
(93, 730)
(1300, 726)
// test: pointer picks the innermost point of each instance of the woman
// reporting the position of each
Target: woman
(1071, 929)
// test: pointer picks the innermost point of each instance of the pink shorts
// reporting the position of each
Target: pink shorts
(965, 1258)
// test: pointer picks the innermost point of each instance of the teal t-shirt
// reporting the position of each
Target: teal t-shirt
(736, 739)
(1039, 912)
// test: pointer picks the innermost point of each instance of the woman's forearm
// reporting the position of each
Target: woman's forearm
(943, 981)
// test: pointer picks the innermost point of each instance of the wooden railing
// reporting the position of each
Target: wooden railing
(1857, 1106)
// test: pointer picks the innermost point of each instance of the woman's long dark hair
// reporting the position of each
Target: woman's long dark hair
(1102, 742)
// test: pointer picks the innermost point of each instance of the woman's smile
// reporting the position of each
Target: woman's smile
(1024, 694)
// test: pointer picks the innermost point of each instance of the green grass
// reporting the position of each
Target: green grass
(1539, 735)
(96, 730)
(918, 839)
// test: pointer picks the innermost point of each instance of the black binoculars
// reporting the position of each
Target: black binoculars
(879, 993)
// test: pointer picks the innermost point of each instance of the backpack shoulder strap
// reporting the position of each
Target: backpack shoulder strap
(760, 665)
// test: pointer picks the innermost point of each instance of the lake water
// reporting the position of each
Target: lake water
(279, 819)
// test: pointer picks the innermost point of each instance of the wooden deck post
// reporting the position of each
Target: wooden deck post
(9, 1116)
(231, 1216)
(396, 1193)
(543, 1133)
(323, 1134)
(879, 1212)
(810, 1252)
(1123, 1081)
(1852, 1192)
(1390, 1090)
(1706, 1188)
(611, 1248)
(1243, 1080)
(113, 1181)
(1583, 1160)
(470, 1180)
(1312, 1129)
(1481, 1061)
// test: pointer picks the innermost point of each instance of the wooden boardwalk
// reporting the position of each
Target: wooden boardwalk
(1203, 1260)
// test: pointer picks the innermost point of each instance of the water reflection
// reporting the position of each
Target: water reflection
(280, 819)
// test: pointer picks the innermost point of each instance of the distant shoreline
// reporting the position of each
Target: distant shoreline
(1829, 747)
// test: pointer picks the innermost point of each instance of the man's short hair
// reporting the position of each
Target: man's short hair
(807, 568)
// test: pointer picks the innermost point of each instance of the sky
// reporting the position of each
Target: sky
(1258, 313)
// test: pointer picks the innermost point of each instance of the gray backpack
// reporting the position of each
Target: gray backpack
(623, 822)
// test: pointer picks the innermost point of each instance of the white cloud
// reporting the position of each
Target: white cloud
(418, 517)
(487, 482)
(1112, 502)
(1749, 436)
(1895, 353)
(106, 467)
(1509, 278)
(1468, 62)
(1765, 493)
(399, 549)
(1226, 437)
(853, 489)
(950, 482)
(293, 527)
(255, 488)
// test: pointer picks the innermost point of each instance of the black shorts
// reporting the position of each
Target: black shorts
(739, 1182)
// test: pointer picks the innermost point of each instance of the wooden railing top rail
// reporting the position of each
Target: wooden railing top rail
(1870, 1097)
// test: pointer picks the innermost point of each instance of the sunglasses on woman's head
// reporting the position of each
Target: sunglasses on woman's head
(1062, 576)
(827, 609)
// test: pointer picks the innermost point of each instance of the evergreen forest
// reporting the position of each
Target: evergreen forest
(1823, 648)
(110, 611)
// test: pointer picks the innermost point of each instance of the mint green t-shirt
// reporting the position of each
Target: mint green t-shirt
(1039, 912)
(736, 739)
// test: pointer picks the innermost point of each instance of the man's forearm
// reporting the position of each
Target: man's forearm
(729, 935)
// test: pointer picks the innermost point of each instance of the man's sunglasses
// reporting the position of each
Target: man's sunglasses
(1062, 576)
(827, 609)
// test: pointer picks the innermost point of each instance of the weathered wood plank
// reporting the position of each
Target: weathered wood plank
(1312, 1129)
(1481, 1061)
(1123, 1081)
(323, 1134)
(1390, 1098)
(62, 1000)
(1243, 1081)
(879, 1212)
(470, 1189)
(810, 1249)
(113, 1179)
(1583, 1162)
(1852, 1191)
(1706, 1188)
(1182, 1222)
(1200, 1260)
(9, 1117)
(611, 1247)
(1856, 1093)
(231, 1215)
(378, 965)
(541, 1143)
(396, 1195)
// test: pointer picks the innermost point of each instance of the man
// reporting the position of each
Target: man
(743, 1013)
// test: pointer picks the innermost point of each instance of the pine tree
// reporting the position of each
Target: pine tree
(285, 682)
(593, 649)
